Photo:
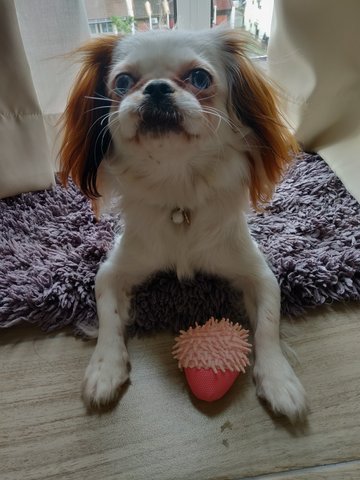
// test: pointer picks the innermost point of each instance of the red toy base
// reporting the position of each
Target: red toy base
(207, 385)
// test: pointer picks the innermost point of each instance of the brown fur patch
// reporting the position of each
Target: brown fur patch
(255, 102)
(78, 117)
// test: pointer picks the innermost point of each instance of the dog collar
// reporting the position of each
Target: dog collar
(181, 215)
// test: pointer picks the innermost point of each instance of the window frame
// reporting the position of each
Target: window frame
(193, 15)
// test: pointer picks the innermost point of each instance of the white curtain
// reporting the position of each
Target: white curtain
(34, 84)
(314, 55)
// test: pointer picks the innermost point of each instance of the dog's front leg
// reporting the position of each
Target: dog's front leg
(276, 381)
(108, 369)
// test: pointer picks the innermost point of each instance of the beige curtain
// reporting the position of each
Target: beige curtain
(314, 55)
(34, 83)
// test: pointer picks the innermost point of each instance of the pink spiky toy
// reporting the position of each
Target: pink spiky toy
(212, 356)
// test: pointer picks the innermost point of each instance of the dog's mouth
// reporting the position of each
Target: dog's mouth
(158, 118)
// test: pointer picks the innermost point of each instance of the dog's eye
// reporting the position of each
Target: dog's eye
(200, 79)
(123, 83)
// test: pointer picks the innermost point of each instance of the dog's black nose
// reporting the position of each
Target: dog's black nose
(158, 89)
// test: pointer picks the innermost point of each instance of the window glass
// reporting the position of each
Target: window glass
(253, 16)
(126, 16)
(93, 28)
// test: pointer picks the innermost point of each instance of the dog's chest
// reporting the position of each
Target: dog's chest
(181, 220)
(182, 239)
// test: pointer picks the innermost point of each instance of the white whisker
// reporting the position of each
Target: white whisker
(97, 108)
(101, 119)
(205, 98)
(102, 98)
(103, 130)
(222, 115)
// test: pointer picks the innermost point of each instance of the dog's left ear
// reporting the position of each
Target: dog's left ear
(255, 103)
(86, 137)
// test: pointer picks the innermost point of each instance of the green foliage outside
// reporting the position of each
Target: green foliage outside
(123, 25)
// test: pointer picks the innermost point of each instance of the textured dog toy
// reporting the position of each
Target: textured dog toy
(212, 356)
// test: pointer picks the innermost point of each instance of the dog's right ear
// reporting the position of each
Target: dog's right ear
(86, 137)
(255, 103)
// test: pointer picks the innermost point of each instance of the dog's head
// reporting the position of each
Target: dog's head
(179, 91)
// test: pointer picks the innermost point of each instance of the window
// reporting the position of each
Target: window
(113, 16)
(101, 26)
(253, 17)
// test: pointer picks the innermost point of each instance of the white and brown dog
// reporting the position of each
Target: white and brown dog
(182, 131)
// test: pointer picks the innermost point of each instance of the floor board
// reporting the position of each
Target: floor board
(349, 471)
(158, 431)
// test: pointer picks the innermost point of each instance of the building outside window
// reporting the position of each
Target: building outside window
(127, 16)
(113, 16)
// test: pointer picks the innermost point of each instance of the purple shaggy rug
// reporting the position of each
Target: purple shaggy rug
(51, 247)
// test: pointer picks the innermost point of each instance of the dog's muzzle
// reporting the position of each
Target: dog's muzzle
(158, 113)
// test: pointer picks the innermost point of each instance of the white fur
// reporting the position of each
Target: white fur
(205, 171)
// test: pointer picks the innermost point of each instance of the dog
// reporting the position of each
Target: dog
(179, 132)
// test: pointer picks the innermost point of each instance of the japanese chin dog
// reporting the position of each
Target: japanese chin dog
(181, 132)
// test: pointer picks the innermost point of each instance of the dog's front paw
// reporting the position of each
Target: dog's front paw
(277, 383)
(104, 376)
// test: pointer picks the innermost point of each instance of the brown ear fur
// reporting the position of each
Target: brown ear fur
(255, 103)
(85, 136)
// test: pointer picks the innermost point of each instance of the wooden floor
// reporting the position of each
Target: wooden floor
(158, 432)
